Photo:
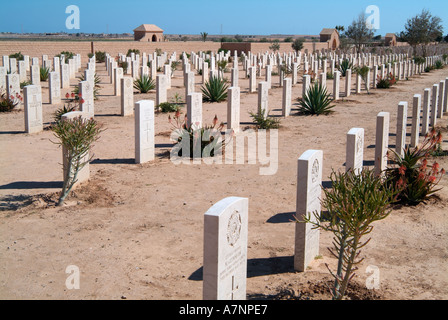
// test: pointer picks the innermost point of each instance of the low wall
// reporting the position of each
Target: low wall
(52, 48)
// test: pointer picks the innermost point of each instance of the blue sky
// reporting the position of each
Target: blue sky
(245, 17)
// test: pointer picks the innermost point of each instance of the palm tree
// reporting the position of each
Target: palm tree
(204, 36)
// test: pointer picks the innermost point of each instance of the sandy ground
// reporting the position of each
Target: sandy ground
(136, 231)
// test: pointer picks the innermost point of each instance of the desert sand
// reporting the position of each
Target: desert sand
(136, 231)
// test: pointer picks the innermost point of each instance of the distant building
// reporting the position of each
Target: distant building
(331, 36)
(148, 33)
(390, 40)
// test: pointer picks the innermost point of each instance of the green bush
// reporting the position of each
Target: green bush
(166, 107)
(206, 138)
(100, 56)
(144, 84)
(353, 204)
(130, 51)
(316, 101)
(18, 56)
(8, 103)
(411, 174)
(439, 64)
(44, 73)
(386, 82)
(77, 137)
(215, 90)
(262, 122)
(344, 66)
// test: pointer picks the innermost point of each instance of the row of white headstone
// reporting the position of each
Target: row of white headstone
(226, 222)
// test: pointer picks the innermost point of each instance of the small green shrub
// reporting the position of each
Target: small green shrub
(353, 204)
(386, 82)
(316, 101)
(100, 56)
(439, 64)
(18, 56)
(144, 84)
(60, 112)
(77, 137)
(344, 66)
(25, 83)
(166, 107)
(44, 73)
(205, 139)
(215, 90)
(262, 122)
(411, 174)
(7, 104)
(130, 51)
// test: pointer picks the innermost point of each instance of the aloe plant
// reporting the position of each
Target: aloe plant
(215, 90)
(144, 83)
(344, 66)
(44, 73)
(316, 101)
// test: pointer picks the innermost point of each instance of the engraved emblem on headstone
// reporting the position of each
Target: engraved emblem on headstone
(315, 171)
(234, 228)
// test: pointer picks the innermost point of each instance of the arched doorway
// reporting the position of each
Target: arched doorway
(154, 38)
(335, 45)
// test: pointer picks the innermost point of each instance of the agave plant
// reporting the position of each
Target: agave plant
(144, 83)
(215, 90)
(316, 100)
(44, 73)
(344, 66)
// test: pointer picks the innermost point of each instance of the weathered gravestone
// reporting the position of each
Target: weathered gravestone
(33, 108)
(402, 116)
(144, 131)
(309, 180)
(54, 84)
(355, 150)
(86, 100)
(194, 110)
(416, 110)
(381, 141)
(225, 250)
(127, 96)
(233, 109)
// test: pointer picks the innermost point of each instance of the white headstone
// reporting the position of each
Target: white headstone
(381, 141)
(434, 104)
(309, 180)
(355, 150)
(225, 250)
(426, 111)
(86, 100)
(286, 97)
(233, 109)
(416, 110)
(144, 131)
(402, 116)
(33, 109)
(161, 90)
(194, 110)
(127, 96)
(54, 84)
(263, 100)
